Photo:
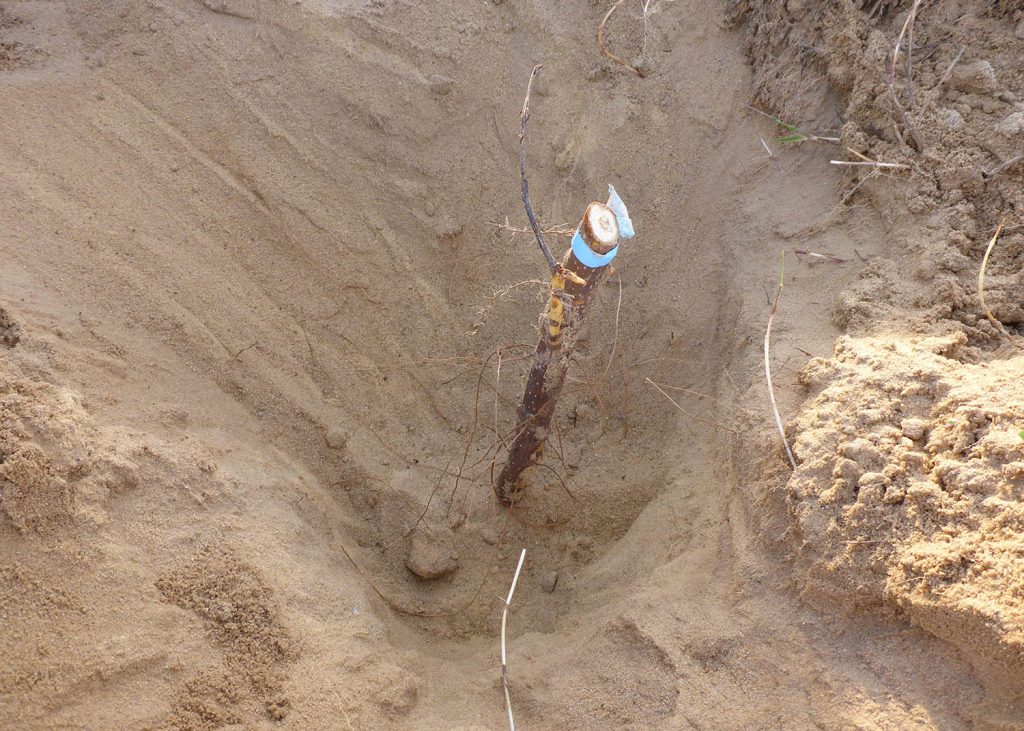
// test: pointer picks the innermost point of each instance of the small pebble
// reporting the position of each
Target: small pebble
(548, 581)
(431, 555)
(913, 428)
(336, 438)
(441, 85)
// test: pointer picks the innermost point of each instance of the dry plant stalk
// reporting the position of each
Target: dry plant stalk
(504, 653)
(572, 286)
(768, 370)
(981, 280)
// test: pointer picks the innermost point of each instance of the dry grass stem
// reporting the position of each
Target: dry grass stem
(871, 163)
(768, 372)
(816, 255)
(899, 113)
(796, 134)
(698, 394)
(504, 653)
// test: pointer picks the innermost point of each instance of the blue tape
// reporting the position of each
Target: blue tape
(587, 256)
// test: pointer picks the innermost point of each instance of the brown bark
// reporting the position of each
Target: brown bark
(570, 297)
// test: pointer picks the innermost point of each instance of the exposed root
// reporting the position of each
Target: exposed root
(603, 45)
(709, 422)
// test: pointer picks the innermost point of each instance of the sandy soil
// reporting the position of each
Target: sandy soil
(262, 316)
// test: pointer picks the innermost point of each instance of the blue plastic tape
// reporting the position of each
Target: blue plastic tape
(587, 256)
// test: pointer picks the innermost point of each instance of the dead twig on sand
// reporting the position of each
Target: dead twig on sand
(816, 255)
(910, 53)
(981, 281)
(1002, 167)
(504, 653)
(604, 46)
(768, 367)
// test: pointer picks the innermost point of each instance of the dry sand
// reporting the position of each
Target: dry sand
(260, 310)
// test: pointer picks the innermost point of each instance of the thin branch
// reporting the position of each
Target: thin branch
(524, 115)
(768, 371)
(504, 654)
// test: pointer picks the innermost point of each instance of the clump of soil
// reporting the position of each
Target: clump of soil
(10, 330)
(55, 465)
(909, 490)
(238, 610)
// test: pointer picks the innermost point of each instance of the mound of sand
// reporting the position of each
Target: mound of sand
(909, 490)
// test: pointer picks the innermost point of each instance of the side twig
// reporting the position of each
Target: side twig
(504, 653)
(768, 371)
(524, 116)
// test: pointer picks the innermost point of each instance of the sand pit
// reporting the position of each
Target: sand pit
(269, 296)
